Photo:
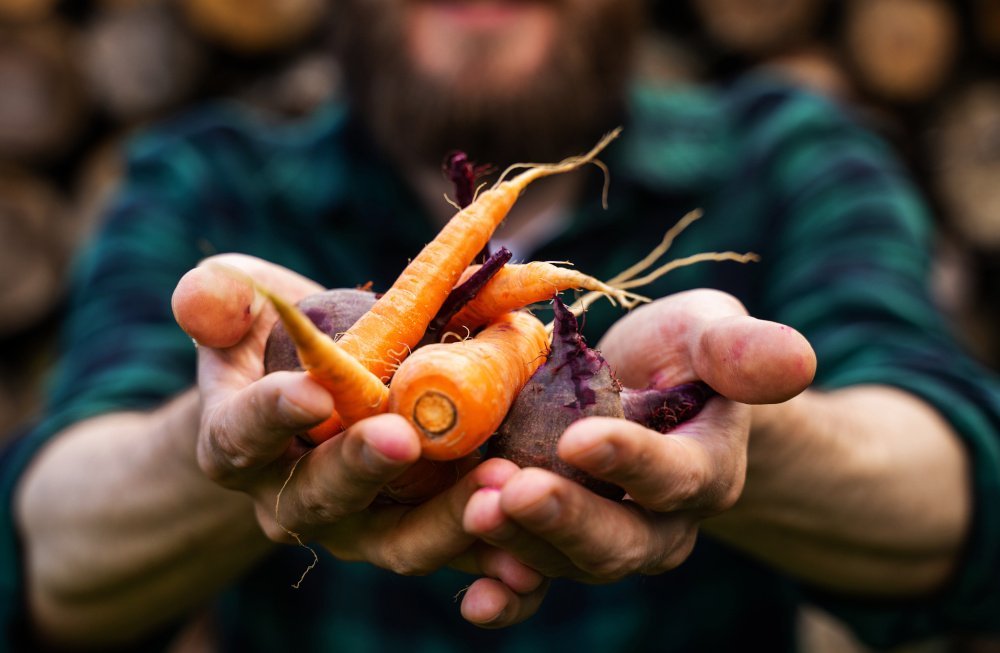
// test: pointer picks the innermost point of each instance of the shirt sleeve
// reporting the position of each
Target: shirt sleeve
(850, 267)
(120, 348)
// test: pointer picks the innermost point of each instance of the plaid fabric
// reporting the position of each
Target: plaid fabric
(844, 240)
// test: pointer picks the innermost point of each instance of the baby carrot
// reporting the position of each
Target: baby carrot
(356, 392)
(457, 394)
(515, 286)
(385, 335)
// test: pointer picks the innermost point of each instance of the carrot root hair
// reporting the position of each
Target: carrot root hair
(630, 278)
(293, 534)
(534, 171)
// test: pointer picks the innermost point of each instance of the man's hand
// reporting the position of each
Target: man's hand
(673, 480)
(249, 441)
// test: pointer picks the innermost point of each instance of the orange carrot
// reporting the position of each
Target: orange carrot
(515, 286)
(457, 394)
(384, 336)
(356, 392)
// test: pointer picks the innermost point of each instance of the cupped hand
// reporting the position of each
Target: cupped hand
(249, 441)
(673, 480)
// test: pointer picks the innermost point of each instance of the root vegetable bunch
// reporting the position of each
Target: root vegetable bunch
(450, 347)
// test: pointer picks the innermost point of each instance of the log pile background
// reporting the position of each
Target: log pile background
(77, 77)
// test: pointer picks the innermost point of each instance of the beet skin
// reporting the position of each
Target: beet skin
(333, 311)
(574, 382)
(577, 382)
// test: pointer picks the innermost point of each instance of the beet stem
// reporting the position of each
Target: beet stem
(570, 348)
(663, 409)
(465, 292)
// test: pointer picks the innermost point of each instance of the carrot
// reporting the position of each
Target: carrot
(515, 286)
(356, 392)
(456, 394)
(333, 311)
(385, 335)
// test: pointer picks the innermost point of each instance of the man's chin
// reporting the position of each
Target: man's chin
(489, 102)
(496, 42)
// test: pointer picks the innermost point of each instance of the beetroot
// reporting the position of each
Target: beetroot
(577, 382)
(333, 311)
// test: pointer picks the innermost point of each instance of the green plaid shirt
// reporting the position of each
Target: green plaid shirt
(844, 240)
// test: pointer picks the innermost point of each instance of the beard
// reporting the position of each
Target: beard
(575, 95)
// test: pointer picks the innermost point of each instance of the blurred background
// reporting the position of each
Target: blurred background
(78, 77)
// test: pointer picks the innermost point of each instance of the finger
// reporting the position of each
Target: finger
(481, 559)
(682, 470)
(605, 539)
(252, 427)
(427, 478)
(655, 340)
(500, 564)
(413, 540)
(217, 303)
(484, 517)
(754, 361)
(343, 475)
(489, 603)
(707, 335)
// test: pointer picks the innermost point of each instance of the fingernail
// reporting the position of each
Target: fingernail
(495, 618)
(545, 510)
(383, 449)
(486, 502)
(598, 457)
(375, 459)
(295, 413)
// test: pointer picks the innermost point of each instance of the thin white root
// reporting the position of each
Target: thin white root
(457, 336)
(533, 171)
(659, 250)
(297, 537)
(618, 295)
(629, 278)
(748, 257)
(398, 355)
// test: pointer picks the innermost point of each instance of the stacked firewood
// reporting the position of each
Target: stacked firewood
(77, 78)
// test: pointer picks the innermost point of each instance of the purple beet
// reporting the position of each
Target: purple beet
(662, 409)
(577, 382)
(333, 311)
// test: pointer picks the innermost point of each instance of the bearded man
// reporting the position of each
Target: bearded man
(150, 492)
